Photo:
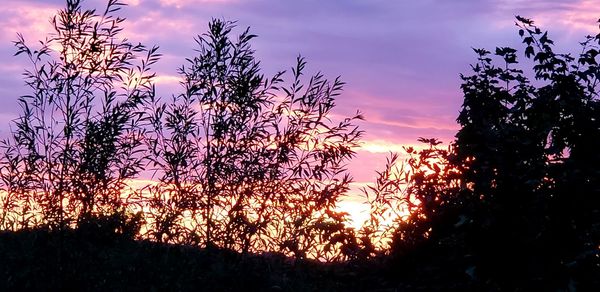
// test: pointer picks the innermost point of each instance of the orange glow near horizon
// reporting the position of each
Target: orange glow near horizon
(354, 204)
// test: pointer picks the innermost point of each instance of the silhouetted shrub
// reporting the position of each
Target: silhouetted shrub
(78, 140)
(514, 202)
(108, 227)
(527, 152)
(523, 211)
(241, 161)
(246, 162)
(409, 197)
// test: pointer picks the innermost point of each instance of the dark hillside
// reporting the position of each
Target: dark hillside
(39, 260)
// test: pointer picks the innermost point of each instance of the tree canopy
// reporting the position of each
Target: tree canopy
(519, 208)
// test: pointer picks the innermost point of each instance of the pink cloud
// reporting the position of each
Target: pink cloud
(182, 3)
(167, 79)
(401, 118)
(155, 24)
(578, 16)
(132, 2)
(571, 16)
(417, 122)
(31, 20)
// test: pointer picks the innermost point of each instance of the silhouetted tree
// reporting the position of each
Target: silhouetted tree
(514, 202)
(78, 140)
(528, 152)
(245, 162)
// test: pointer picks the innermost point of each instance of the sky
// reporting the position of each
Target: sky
(400, 59)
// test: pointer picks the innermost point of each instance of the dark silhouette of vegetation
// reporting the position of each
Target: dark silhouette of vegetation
(242, 162)
(516, 206)
(406, 197)
(528, 152)
(248, 171)
(121, 264)
(78, 140)
(252, 164)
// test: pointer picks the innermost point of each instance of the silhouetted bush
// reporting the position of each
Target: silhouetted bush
(248, 162)
(78, 140)
(524, 211)
(529, 153)
(242, 162)
(410, 198)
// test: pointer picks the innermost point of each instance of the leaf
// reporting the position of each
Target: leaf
(529, 51)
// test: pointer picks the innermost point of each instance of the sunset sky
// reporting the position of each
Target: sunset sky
(400, 59)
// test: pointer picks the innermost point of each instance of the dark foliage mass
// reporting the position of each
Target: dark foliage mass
(93, 262)
(524, 213)
(513, 203)
(528, 151)
(247, 171)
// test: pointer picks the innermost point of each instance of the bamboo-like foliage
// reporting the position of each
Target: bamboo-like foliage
(240, 161)
(246, 162)
(78, 141)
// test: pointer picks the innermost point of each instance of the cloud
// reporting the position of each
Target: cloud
(183, 3)
(573, 16)
(382, 146)
(167, 79)
(577, 16)
(156, 26)
(132, 3)
(423, 121)
(33, 21)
